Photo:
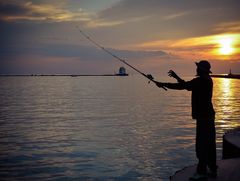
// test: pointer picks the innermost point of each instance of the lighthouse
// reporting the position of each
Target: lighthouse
(122, 72)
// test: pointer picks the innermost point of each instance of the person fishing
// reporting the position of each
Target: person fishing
(203, 112)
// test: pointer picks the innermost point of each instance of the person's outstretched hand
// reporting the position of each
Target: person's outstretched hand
(171, 73)
(160, 84)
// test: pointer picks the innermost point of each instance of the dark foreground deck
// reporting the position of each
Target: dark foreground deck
(228, 168)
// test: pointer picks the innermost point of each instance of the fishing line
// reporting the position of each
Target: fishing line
(148, 76)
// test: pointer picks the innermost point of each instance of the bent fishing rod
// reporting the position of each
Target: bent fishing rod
(148, 76)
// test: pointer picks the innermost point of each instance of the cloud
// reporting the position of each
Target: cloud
(188, 17)
(67, 58)
(43, 11)
(174, 16)
(204, 46)
(230, 27)
(73, 51)
(119, 13)
(162, 8)
(15, 10)
(95, 23)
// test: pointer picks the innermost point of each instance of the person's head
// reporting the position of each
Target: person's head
(203, 67)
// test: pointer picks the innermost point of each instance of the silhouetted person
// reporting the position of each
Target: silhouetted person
(203, 112)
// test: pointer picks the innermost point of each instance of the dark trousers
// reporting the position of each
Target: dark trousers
(206, 145)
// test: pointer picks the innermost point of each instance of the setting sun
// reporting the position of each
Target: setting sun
(226, 46)
(221, 46)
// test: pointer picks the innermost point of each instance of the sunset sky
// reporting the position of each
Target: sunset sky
(40, 36)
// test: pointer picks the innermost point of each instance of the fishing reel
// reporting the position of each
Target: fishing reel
(150, 77)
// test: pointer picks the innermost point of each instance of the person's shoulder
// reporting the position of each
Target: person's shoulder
(196, 79)
(205, 80)
(191, 82)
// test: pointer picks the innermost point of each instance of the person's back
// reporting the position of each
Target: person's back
(202, 97)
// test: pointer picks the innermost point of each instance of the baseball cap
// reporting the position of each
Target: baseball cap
(204, 65)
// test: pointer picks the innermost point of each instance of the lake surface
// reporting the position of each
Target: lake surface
(102, 128)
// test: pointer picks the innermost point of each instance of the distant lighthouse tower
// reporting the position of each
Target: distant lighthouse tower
(122, 72)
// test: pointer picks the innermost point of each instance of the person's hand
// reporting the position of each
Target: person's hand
(159, 84)
(171, 73)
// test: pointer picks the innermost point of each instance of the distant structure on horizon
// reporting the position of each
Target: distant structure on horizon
(230, 75)
(122, 72)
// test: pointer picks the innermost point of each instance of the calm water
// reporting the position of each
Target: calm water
(101, 128)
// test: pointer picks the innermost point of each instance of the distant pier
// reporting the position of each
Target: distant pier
(121, 72)
(230, 75)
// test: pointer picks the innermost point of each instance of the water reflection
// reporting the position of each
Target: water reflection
(101, 128)
(226, 101)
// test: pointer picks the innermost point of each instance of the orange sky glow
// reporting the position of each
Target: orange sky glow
(222, 46)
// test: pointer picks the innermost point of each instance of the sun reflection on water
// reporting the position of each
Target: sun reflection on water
(226, 100)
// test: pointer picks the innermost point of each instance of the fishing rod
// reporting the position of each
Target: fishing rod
(148, 76)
